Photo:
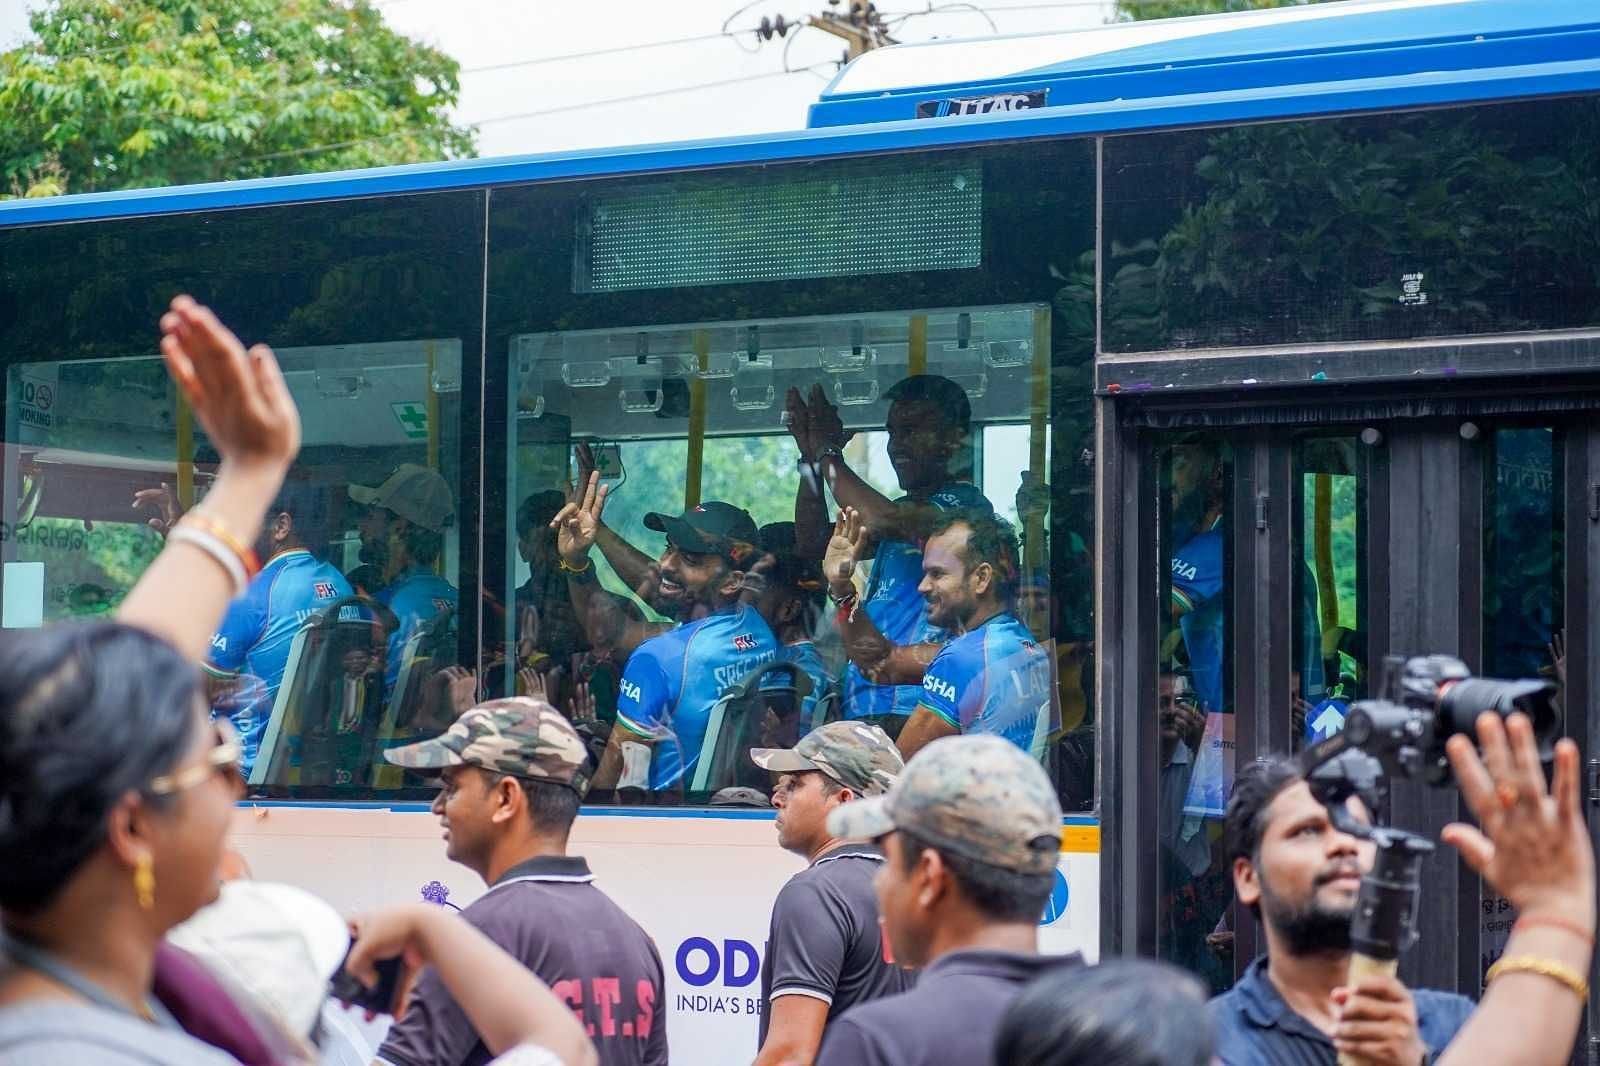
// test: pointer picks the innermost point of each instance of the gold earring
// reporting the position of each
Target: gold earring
(144, 882)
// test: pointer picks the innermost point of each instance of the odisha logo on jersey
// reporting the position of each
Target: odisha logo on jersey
(744, 642)
(631, 691)
(324, 590)
(1187, 571)
(939, 688)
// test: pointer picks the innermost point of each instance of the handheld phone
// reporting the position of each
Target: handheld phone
(345, 987)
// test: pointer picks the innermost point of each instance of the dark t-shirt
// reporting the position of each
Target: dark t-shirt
(1255, 1027)
(952, 1015)
(548, 913)
(825, 941)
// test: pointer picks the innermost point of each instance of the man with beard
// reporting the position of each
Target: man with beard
(1300, 876)
(928, 422)
(992, 677)
(675, 675)
(250, 649)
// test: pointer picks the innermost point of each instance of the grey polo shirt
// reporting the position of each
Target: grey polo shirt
(1255, 1027)
(547, 913)
(951, 1016)
(825, 940)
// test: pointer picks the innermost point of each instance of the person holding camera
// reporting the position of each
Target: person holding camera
(1300, 876)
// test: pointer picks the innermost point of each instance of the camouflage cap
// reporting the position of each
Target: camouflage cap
(860, 757)
(519, 736)
(979, 797)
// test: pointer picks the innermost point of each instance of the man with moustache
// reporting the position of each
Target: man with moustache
(825, 950)
(1300, 876)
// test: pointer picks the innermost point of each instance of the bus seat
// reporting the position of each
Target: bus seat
(740, 720)
(323, 718)
(407, 716)
(826, 709)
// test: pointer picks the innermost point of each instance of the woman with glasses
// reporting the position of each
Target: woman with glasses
(116, 787)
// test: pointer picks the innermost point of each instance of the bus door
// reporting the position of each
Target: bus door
(1281, 564)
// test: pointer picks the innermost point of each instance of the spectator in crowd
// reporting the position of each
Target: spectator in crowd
(513, 776)
(1300, 876)
(992, 677)
(1179, 728)
(673, 678)
(250, 649)
(1124, 1012)
(929, 421)
(116, 789)
(825, 949)
(403, 531)
(971, 835)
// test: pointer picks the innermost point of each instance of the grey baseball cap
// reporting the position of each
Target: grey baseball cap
(860, 757)
(980, 797)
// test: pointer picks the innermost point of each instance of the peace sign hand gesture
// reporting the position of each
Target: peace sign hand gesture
(577, 525)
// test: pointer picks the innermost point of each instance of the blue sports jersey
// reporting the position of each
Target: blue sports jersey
(1197, 573)
(899, 611)
(805, 655)
(415, 597)
(994, 679)
(672, 681)
(258, 631)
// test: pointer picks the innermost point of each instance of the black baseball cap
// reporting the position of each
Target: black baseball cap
(712, 528)
(950, 398)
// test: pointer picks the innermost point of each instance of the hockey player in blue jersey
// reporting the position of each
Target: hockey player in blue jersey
(675, 675)
(250, 650)
(992, 677)
(928, 422)
(403, 533)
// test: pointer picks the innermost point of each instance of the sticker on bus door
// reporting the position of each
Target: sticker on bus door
(982, 105)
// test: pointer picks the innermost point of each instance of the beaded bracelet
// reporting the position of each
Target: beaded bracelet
(216, 549)
(1556, 971)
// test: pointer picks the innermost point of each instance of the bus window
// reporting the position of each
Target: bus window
(1195, 719)
(349, 639)
(1330, 650)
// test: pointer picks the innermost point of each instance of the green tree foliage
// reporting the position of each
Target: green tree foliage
(1139, 10)
(120, 94)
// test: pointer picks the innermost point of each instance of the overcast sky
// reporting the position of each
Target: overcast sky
(487, 33)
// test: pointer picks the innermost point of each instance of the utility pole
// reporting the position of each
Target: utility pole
(859, 25)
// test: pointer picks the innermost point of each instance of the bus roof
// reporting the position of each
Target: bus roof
(1353, 55)
(1277, 47)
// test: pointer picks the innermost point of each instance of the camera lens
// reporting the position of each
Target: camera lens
(1461, 702)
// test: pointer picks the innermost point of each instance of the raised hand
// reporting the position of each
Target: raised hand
(239, 397)
(577, 525)
(797, 416)
(827, 428)
(1531, 844)
(165, 504)
(844, 547)
(581, 709)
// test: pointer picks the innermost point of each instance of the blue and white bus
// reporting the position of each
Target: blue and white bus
(1279, 333)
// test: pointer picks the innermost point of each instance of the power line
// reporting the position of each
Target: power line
(333, 146)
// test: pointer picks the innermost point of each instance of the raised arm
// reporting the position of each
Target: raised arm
(605, 617)
(879, 659)
(812, 525)
(240, 400)
(1532, 847)
(636, 569)
(503, 1000)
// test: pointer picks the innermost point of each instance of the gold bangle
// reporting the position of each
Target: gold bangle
(246, 554)
(588, 565)
(1556, 971)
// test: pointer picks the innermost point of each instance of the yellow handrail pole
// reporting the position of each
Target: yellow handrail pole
(697, 421)
(917, 346)
(184, 425)
(1322, 532)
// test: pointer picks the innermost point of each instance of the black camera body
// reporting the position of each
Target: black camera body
(1426, 700)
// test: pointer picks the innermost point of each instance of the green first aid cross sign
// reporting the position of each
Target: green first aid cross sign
(413, 418)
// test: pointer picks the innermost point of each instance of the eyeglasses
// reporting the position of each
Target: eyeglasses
(224, 757)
